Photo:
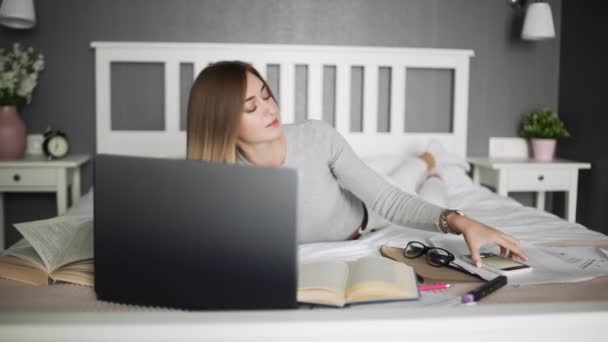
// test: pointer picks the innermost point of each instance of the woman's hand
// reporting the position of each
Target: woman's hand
(477, 234)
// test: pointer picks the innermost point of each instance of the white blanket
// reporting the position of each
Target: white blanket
(530, 225)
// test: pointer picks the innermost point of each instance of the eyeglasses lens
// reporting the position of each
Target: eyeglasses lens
(414, 250)
(437, 257)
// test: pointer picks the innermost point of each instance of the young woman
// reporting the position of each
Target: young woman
(233, 117)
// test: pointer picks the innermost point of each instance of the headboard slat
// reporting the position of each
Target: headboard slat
(261, 68)
(461, 105)
(342, 100)
(198, 67)
(172, 103)
(370, 98)
(397, 99)
(287, 91)
(315, 91)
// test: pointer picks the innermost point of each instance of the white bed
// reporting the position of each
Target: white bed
(517, 320)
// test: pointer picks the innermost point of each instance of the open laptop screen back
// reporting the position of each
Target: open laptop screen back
(194, 235)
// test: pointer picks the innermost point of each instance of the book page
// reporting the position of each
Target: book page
(376, 278)
(59, 240)
(322, 282)
(80, 272)
(81, 247)
(20, 270)
(79, 266)
(24, 250)
(80, 278)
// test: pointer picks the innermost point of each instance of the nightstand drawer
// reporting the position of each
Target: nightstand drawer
(27, 177)
(538, 179)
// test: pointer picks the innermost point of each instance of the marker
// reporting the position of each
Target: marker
(431, 287)
(485, 289)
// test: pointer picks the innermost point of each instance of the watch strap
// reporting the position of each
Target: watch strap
(443, 225)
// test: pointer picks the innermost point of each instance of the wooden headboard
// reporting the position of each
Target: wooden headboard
(171, 142)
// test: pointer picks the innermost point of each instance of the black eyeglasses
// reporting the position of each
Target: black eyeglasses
(435, 256)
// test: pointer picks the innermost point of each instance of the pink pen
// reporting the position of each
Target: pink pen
(435, 286)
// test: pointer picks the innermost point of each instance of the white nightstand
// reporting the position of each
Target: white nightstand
(37, 174)
(514, 174)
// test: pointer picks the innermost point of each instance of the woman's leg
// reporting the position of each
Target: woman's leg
(412, 172)
(409, 176)
(433, 190)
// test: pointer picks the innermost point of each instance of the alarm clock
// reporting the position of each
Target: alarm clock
(55, 144)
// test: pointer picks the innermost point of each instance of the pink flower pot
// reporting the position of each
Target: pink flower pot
(543, 149)
(12, 134)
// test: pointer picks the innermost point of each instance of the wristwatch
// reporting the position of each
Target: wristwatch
(443, 225)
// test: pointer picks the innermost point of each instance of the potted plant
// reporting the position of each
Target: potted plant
(543, 127)
(19, 71)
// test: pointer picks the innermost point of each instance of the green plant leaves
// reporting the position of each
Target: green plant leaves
(544, 124)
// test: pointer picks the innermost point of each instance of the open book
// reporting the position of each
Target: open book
(368, 279)
(57, 249)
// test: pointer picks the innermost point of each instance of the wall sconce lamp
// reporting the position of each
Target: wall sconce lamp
(18, 14)
(538, 22)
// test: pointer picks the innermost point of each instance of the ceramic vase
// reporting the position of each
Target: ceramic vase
(543, 149)
(12, 134)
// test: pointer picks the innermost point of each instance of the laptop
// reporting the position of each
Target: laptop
(194, 235)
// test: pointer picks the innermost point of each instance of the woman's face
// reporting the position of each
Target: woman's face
(261, 120)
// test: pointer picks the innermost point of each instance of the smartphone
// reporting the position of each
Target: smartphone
(499, 264)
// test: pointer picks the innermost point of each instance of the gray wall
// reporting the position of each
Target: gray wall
(582, 106)
(508, 77)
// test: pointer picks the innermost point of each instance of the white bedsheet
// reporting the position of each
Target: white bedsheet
(530, 225)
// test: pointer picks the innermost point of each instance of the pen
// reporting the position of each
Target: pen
(435, 286)
(485, 289)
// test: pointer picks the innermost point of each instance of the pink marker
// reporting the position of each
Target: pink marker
(435, 286)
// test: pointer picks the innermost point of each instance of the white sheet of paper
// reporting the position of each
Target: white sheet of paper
(546, 268)
(592, 259)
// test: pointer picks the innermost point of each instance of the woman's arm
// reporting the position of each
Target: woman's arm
(477, 234)
(378, 195)
(405, 209)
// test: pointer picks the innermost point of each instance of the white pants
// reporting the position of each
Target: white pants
(412, 177)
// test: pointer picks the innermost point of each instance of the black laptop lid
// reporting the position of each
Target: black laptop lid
(194, 235)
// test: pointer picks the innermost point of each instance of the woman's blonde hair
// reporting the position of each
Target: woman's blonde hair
(215, 108)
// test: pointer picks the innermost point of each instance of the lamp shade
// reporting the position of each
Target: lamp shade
(19, 14)
(538, 23)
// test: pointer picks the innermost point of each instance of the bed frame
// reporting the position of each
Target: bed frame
(172, 142)
(555, 322)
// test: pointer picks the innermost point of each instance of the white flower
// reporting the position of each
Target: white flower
(38, 64)
(19, 71)
(8, 80)
(27, 85)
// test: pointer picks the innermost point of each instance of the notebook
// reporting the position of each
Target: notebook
(428, 273)
(194, 235)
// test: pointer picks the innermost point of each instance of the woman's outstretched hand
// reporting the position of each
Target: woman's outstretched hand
(477, 234)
